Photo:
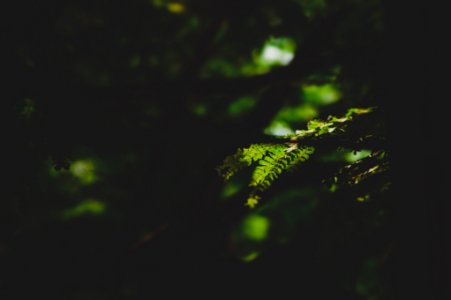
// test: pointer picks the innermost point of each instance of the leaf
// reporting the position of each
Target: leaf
(252, 201)
(272, 160)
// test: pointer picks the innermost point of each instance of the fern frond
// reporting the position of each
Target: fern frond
(279, 160)
(242, 158)
(252, 200)
(317, 128)
(273, 159)
(256, 152)
(231, 165)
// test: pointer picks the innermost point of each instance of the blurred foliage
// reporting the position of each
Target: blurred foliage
(321, 95)
(84, 171)
(119, 113)
(241, 106)
(88, 207)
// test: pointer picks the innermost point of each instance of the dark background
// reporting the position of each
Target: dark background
(141, 91)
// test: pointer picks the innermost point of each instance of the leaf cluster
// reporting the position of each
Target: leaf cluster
(271, 160)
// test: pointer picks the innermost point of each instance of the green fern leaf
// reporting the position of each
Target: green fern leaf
(274, 159)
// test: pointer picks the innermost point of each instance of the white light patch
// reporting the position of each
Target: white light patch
(278, 129)
(329, 97)
(272, 54)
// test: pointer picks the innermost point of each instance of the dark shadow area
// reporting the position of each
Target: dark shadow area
(118, 114)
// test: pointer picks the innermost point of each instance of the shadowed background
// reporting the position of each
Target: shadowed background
(119, 114)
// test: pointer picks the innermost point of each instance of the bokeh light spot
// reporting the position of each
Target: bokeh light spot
(256, 227)
(84, 171)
